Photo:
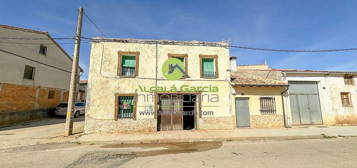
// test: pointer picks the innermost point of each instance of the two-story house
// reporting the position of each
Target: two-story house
(157, 85)
(34, 74)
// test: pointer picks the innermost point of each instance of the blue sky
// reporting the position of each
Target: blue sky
(280, 24)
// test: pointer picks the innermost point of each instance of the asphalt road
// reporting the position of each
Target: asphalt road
(40, 145)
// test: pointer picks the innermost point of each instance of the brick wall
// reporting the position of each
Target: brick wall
(20, 103)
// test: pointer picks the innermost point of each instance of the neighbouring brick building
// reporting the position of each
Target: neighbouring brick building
(34, 74)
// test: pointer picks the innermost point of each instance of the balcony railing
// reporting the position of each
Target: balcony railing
(128, 71)
(209, 75)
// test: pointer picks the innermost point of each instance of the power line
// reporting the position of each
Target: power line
(58, 68)
(291, 50)
(95, 25)
(232, 46)
(41, 43)
(30, 38)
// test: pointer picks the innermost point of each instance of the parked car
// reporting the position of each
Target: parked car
(79, 109)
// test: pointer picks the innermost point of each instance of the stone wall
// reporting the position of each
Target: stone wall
(266, 121)
(20, 103)
(93, 125)
(216, 123)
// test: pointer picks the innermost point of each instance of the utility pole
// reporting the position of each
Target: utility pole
(74, 76)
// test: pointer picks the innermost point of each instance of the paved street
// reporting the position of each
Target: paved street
(40, 144)
(327, 153)
(35, 132)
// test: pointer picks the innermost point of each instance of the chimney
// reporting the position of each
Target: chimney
(233, 63)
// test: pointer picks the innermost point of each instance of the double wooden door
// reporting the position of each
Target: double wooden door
(170, 112)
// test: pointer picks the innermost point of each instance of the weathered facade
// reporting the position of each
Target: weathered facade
(128, 70)
(258, 97)
(35, 74)
(321, 97)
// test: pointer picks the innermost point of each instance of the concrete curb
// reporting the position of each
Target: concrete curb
(191, 140)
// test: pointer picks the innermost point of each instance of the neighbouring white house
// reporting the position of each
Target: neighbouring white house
(320, 97)
(35, 74)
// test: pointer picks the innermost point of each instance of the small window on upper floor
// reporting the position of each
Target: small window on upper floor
(348, 80)
(128, 64)
(209, 66)
(183, 59)
(29, 72)
(43, 50)
(51, 94)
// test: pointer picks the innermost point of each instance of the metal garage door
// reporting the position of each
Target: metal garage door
(305, 103)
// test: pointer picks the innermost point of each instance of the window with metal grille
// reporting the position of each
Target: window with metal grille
(346, 99)
(208, 69)
(43, 50)
(29, 72)
(126, 107)
(51, 94)
(348, 80)
(128, 66)
(267, 105)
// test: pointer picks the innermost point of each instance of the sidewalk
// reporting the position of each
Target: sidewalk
(312, 132)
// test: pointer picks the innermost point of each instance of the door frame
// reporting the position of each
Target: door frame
(236, 112)
(317, 82)
(198, 106)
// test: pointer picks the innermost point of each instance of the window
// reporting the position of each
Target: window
(29, 72)
(182, 58)
(267, 105)
(43, 50)
(209, 66)
(126, 106)
(348, 80)
(128, 64)
(346, 99)
(51, 94)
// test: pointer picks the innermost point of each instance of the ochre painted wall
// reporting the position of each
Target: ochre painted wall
(258, 120)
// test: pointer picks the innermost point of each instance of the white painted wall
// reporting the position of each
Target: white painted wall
(12, 67)
(103, 81)
(329, 92)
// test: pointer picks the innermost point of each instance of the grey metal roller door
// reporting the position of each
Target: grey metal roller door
(305, 103)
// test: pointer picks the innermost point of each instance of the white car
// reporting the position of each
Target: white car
(79, 109)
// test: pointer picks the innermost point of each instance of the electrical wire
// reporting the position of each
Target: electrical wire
(95, 25)
(1, 42)
(29, 38)
(292, 50)
(231, 46)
